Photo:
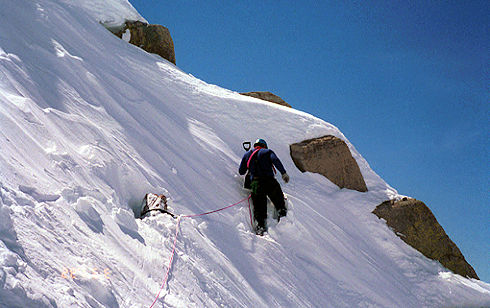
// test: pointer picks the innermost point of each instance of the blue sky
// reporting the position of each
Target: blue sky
(407, 82)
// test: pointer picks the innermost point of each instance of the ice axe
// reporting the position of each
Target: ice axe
(247, 145)
(247, 184)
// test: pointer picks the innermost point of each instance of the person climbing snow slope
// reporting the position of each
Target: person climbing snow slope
(260, 161)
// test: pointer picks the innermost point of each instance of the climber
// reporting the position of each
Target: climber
(260, 161)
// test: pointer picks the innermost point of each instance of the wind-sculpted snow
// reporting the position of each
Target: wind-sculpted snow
(89, 124)
(111, 13)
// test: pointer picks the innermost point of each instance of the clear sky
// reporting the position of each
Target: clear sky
(407, 82)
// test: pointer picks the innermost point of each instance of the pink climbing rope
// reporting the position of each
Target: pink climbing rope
(170, 263)
(250, 211)
(221, 209)
(177, 233)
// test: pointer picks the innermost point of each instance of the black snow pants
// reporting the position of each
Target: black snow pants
(261, 189)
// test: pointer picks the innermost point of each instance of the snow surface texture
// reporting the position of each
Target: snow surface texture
(89, 124)
(111, 13)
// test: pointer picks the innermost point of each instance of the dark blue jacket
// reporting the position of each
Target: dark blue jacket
(261, 163)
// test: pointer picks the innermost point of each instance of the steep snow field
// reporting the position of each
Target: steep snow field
(90, 123)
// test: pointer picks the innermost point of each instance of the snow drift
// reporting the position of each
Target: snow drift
(89, 124)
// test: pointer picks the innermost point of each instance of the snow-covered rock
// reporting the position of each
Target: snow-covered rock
(152, 38)
(267, 96)
(414, 222)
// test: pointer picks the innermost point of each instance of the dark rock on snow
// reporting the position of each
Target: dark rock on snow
(267, 96)
(152, 38)
(330, 157)
(415, 224)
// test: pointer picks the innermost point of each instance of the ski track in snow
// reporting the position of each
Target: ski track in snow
(89, 124)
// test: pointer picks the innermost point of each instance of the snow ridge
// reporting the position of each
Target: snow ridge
(89, 124)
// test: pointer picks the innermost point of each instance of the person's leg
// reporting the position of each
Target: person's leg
(276, 195)
(259, 199)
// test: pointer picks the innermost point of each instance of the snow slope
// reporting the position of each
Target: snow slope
(89, 124)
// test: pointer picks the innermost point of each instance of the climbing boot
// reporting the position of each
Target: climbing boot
(260, 230)
(281, 213)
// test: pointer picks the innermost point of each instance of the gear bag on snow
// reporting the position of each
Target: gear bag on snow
(154, 203)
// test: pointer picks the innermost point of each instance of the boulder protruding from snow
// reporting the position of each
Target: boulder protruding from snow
(330, 157)
(267, 96)
(415, 224)
(152, 38)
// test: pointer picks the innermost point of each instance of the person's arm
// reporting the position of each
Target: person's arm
(243, 165)
(275, 160)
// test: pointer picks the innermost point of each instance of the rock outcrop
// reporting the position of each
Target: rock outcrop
(330, 157)
(267, 96)
(152, 38)
(415, 224)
